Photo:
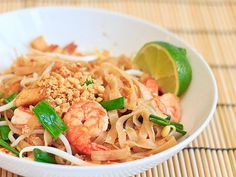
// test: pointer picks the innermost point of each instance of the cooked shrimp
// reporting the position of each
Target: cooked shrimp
(172, 105)
(168, 104)
(152, 85)
(85, 121)
(23, 116)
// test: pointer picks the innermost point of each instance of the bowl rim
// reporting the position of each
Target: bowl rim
(173, 150)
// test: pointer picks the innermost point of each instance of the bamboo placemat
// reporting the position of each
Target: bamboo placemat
(209, 26)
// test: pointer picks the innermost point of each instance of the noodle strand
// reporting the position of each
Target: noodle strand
(57, 152)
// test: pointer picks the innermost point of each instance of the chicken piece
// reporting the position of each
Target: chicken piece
(40, 44)
(30, 96)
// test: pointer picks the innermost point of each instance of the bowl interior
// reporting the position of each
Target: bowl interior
(92, 29)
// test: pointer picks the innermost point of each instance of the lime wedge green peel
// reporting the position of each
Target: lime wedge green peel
(166, 63)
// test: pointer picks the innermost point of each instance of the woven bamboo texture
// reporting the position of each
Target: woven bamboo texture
(210, 27)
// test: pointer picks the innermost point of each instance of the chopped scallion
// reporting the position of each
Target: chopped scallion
(50, 120)
(117, 103)
(164, 122)
(177, 125)
(4, 130)
(181, 131)
(89, 81)
(158, 121)
(41, 156)
(8, 147)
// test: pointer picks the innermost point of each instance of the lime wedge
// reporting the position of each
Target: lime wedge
(166, 63)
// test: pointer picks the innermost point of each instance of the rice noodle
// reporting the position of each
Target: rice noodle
(119, 154)
(119, 127)
(148, 126)
(162, 145)
(142, 132)
(6, 76)
(112, 133)
(101, 138)
(7, 106)
(114, 86)
(131, 134)
(131, 94)
(2, 123)
(150, 109)
(136, 121)
(57, 152)
(66, 143)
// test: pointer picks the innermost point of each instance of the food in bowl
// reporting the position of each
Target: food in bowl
(63, 106)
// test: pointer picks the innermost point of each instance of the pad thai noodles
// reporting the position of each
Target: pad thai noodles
(62, 106)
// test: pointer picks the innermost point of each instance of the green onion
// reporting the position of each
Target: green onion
(162, 116)
(158, 121)
(177, 125)
(41, 156)
(164, 122)
(49, 118)
(4, 130)
(117, 103)
(89, 81)
(8, 147)
(181, 131)
(158, 118)
(9, 99)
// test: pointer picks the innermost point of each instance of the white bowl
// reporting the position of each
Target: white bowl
(91, 28)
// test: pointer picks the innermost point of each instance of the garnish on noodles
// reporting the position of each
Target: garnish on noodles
(64, 106)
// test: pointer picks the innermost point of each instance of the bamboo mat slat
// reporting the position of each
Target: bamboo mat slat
(210, 27)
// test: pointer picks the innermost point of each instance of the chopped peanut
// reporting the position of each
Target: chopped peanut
(65, 85)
